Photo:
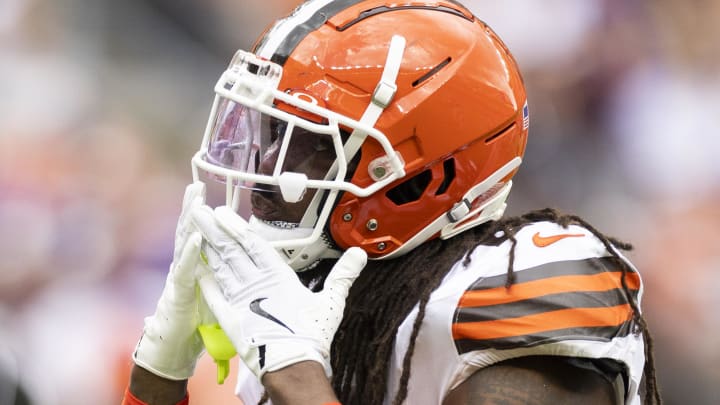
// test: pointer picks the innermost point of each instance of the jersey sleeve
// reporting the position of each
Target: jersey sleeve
(570, 288)
(570, 299)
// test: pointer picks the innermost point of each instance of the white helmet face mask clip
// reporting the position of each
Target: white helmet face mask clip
(283, 171)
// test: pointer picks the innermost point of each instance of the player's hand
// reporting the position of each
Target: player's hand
(170, 344)
(272, 319)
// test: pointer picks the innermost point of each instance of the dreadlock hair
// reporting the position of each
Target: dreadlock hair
(386, 292)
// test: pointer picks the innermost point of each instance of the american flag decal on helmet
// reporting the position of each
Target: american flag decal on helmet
(526, 116)
(576, 299)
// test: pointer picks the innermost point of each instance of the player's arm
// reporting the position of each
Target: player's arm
(540, 380)
(152, 389)
(300, 383)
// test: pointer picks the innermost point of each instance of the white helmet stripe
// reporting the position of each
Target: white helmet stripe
(287, 33)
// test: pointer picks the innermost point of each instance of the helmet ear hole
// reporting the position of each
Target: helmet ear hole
(449, 176)
(411, 189)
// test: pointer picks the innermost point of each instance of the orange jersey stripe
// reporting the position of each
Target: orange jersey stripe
(546, 321)
(531, 289)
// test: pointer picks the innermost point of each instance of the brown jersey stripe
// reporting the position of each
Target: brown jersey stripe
(545, 303)
(542, 322)
(561, 284)
(603, 333)
(589, 266)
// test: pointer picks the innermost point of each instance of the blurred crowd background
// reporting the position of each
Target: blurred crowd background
(103, 103)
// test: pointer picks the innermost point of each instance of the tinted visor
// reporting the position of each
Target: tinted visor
(237, 138)
(247, 141)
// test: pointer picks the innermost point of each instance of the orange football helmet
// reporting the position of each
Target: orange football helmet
(382, 124)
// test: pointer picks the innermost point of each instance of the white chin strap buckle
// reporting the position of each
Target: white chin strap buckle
(383, 94)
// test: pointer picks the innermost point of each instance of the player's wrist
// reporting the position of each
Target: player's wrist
(148, 388)
(168, 373)
(300, 383)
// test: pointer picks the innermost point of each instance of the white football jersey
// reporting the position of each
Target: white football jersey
(567, 300)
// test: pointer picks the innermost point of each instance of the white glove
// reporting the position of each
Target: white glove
(272, 319)
(170, 344)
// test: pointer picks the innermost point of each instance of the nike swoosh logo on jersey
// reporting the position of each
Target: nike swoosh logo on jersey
(255, 307)
(544, 241)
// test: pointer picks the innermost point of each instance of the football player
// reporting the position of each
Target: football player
(388, 131)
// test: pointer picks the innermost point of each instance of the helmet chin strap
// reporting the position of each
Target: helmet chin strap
(300, 258)
(308, 255)
(381, 97)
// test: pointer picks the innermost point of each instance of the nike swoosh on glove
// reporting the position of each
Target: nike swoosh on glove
(272, 319)
(170, 344)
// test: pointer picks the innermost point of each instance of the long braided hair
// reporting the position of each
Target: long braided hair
(387, 291)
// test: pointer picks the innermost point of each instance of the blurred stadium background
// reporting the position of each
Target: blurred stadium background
(103, 103)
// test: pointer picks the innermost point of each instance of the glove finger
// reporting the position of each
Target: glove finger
(183, 221)
(215, 236)
(215, 299)
(205, 315)
(183, 270)
(261, 252)
(183, 230)
(344, 274)
(230, 254)
(231, 281)
(193, 192)
(231, 222)
(194, 196)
